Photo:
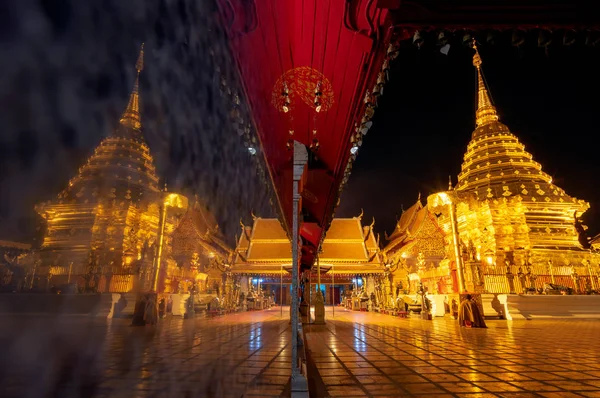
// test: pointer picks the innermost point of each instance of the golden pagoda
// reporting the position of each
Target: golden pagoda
(112, 218)
(507, 228)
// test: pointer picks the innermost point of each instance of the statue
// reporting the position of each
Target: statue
(145, 248)
(584, 240)
(472, 251)
(464, 251)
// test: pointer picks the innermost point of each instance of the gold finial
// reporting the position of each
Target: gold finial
(450, 183)
(131, 117)
(486, 111)
(139, 65)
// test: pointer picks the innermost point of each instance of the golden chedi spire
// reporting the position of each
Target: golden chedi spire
(121, 167)
(496, 164)
(486, 111)
(131, 117)
(506, 190)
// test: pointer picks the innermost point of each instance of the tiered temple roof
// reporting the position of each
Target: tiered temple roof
(416, 232)
(198, 231)
(348, 248)
(121, 168)
(97, 207)
(497, 169)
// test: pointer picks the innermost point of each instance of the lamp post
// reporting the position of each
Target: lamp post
(446, 199)
(161, 239)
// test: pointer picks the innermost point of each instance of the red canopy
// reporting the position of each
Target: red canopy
(306, 67)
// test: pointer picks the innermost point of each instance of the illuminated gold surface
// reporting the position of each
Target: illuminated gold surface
(512, 220)
(348, 245)
(106, 221)
(131, 117)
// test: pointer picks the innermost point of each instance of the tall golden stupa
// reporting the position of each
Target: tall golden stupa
(506, 227)
(113, 218)
(510, 208)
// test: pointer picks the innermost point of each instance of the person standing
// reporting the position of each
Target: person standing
(469, 314)
(151, 313)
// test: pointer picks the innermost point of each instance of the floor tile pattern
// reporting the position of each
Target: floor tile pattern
(237, 355)
(366, 354)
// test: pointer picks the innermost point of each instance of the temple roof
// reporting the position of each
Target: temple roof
(265, 248)
(121, 169)
(406, 220)
(198, 227)
(417, 231)
(496, 164)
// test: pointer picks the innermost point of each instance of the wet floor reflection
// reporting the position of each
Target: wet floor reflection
(238, 354)
(365, 354)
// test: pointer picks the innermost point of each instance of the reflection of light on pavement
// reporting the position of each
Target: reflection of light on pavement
(359, 340)
(255, 341)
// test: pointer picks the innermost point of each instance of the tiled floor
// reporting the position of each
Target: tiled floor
(238, 355)
(357, 354)
(363, 354)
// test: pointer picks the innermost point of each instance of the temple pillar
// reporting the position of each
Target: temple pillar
(300, 161)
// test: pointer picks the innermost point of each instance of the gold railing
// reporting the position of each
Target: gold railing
(497, 280)
(577, 278)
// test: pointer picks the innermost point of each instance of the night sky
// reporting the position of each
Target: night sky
(427, 114)
(67, 73)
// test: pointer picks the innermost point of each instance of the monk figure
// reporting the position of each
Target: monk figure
(469, 314)
(151, 310)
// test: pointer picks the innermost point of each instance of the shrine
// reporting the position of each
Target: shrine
(114, 229)
(505, 228)
(350, 261)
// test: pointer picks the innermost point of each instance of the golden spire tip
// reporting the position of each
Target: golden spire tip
(131, 117)
(139, 65)
(486, 111)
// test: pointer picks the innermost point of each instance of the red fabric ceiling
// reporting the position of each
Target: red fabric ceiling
(331, 47)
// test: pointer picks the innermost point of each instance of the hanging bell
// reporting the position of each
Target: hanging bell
(544, 38)
(393, 51)
(518, 38)
(467, 40)
(365, 128)
(418, 39)
(570, 37)
(442, 38)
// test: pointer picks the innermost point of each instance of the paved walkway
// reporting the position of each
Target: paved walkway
(246, 354)
(364, 354)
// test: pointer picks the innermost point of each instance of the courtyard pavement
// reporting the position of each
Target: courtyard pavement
(369, 354)
(248, 354)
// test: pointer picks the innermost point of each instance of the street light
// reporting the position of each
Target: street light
(446, 199)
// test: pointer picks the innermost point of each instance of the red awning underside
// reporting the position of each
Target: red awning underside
(288, 52)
